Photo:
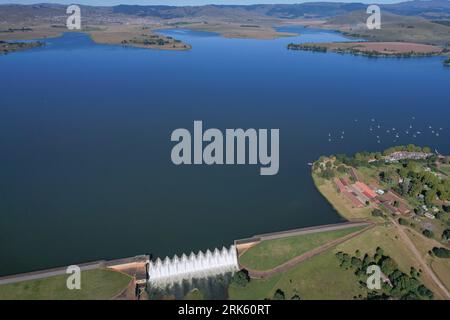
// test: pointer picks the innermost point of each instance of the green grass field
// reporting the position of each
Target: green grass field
(96, 284)
(317, 278)
(271, 253)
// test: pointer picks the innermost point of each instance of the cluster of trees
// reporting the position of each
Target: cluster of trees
(446, 234)
(357, 51)
(377, 213)
(417, 181)
(375, 53)
(324, 168)
(307, 47)
(402, 285)
(241, 278)
(427, 233)
(441, 252)
(363, 158)
(280, 295)
(408, 148)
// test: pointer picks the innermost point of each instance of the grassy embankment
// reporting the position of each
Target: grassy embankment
(385, 235)
(271, 253)
(321, 277)
(96, 284)
(317, 278)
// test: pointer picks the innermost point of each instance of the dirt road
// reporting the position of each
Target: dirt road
(420, 259)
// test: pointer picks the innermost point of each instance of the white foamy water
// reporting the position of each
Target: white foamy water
(200, 265)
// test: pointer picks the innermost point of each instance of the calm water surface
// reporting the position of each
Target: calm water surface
(85, 170)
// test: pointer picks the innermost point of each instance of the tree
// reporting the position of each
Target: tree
(426, 149)
(356, 262)
(279, 295)
(377, 213)
(379, 251)
(414, 273)
(446, 235)
(441, 252)
(425, 292)
(403, 172)
(328, 173)
(427, 233)
(430, 197)
(388, 265)
(241, 278)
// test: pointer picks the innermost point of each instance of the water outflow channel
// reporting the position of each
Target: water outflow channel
(201, 265)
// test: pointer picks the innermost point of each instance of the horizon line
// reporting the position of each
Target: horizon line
(139, 3)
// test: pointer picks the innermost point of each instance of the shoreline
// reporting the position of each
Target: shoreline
(134, 37)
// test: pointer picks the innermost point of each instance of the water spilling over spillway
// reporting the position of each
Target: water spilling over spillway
(200, 265)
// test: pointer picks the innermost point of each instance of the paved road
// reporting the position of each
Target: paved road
(422, 262)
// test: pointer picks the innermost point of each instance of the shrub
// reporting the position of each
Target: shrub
(427, 233)
(377, 213)
(241, 278)
(279, 295)
(441, 252)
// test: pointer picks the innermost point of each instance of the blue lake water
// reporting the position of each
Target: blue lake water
(85, 169)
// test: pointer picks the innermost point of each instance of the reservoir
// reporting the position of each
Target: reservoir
(85, 167)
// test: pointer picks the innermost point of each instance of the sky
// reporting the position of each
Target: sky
(183, 2)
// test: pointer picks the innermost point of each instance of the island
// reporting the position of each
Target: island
(136, 36)
(447, 62)
(372, 49)
(8, 47)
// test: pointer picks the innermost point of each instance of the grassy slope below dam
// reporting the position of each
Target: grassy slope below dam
(271, 253)
(98, 284)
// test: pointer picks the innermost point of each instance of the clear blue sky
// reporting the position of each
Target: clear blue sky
(184, 2)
